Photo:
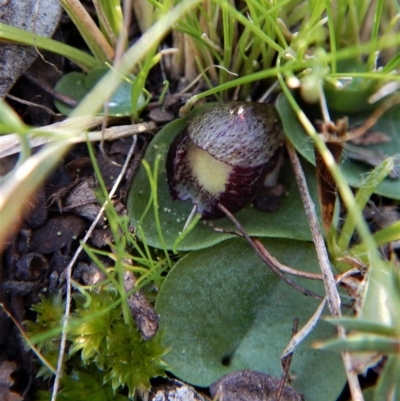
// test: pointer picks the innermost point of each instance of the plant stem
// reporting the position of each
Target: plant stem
(108, 84)
(90, 32)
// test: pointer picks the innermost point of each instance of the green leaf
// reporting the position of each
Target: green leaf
(289, 221)
(367, 326)
(113, 12)
(223, 310)
(388, 387)
(363, 343)
(353, 95)
(380, 298)
(368, 394)
(354, 171)
(20, 36)
(77, 85)
(9, 120)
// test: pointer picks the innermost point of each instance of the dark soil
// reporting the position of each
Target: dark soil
(58, 216)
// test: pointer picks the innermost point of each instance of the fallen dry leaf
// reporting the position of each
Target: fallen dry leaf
(6, 382)
(38, 17)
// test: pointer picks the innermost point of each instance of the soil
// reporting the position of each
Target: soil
(58, 216)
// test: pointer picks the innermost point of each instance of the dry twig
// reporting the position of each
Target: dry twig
(69, 273)
(332, 294)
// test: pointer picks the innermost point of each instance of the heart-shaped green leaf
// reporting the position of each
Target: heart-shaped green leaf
(77, 85)
(289, 221)
(354, 171)
(223, 310)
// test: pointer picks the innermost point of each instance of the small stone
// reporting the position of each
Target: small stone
(248, 385)
(161, 116)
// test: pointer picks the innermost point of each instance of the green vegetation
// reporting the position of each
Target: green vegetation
(100, 342)
(321, 60)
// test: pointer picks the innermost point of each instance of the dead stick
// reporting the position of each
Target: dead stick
(285, 362)
(333, 297)
(143, 313)
(283, 268)
(322, 254)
